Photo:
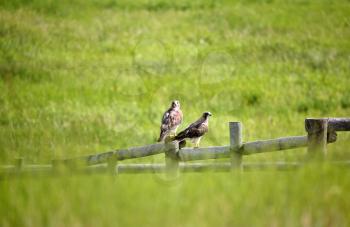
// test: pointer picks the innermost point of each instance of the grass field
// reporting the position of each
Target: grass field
(80, 77)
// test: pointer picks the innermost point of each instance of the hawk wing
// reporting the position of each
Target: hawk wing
(195, 130)
(170, 121)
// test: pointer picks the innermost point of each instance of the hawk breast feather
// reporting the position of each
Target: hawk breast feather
(170, 121)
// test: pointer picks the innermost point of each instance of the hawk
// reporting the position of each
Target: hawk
(196, 130)
(171, 120)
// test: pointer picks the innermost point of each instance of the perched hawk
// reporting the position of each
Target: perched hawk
(196, 130)
(172, 118)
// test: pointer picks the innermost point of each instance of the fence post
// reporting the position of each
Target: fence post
(55, 165)
(172, 159)
(235, 144)
(316, 136)
(19, 163)
(112, 162)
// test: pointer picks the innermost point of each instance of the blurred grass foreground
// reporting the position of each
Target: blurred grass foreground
(81, 77)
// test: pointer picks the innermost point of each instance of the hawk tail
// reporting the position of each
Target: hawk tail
(162, 136)
(181, 136)
(182, 142)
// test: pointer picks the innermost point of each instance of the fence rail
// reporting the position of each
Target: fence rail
(319, 132)
(285, 143)
(49, 170)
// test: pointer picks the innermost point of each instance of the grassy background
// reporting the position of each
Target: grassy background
(80, 77)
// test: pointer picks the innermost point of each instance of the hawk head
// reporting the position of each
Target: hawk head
(175, 104)
(206, 115)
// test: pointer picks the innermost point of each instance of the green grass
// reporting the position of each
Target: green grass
(248, 199)
(83, 77)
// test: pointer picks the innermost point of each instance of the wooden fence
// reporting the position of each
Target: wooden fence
(319, 133)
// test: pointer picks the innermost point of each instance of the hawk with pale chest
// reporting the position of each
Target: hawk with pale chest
(171, 120)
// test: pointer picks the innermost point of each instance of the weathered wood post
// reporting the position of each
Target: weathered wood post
(172, 159)
(19, 163)
(317, 136)
(112, 162)
(235, 144)
(55, 165)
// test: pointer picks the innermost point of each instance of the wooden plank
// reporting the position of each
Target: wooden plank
(216, 167)
(317, 136)
(138, 152)
(226, 166)
(195, 167)
(339, 124)
(141, 168)
(201, 167)
(191, 154)
(278, 144)
(345, 163)
(47, 170)
(6, 167)
(235, 144)
(122, 154)
(98, 158)
(284, 143)
(93, 159)
(272, 165)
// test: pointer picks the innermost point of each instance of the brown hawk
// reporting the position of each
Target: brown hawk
(196, 130)
(171, 120)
